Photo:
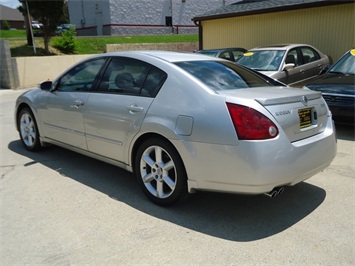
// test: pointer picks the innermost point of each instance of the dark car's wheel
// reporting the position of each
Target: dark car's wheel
(28, 130)
(160, 172)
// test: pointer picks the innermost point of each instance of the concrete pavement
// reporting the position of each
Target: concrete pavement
(61, 208)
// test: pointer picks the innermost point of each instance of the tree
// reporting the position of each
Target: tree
(49, 13)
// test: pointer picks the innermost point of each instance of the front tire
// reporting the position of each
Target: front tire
(160, 172)
(28, 130)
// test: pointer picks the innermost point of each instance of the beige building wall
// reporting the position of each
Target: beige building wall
(330, 29)
(32, 70)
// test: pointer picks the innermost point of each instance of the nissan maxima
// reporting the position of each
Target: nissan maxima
(182, 123)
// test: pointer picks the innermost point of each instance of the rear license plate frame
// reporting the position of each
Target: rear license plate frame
(305, 117)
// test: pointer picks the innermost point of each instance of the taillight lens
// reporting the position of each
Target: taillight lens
(251, 124)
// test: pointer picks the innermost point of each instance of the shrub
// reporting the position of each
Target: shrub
(66, 43)
(5, 25)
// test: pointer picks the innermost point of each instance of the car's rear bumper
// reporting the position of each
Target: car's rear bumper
(255, 167)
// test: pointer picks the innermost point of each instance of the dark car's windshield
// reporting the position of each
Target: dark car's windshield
(223, 75)
(346, 65)
(262, 60)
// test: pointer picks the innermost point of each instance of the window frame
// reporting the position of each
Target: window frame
(138, 62)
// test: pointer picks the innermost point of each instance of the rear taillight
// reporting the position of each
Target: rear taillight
(251, 124)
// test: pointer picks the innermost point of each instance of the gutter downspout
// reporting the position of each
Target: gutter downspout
(200, 33)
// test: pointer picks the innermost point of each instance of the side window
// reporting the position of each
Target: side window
(153, 82)
(225, 55)
(125, 76)
(237, 54)
(309, 55)
(292, 58)
(81, 77)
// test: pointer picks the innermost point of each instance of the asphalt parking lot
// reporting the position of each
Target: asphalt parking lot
(61, 208)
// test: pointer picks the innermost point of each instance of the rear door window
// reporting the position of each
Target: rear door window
(131, 77)
(309, 55)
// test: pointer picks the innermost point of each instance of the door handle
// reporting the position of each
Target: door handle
(77, 104)
(134, 108)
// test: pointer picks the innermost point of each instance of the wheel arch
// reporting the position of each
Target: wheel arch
(36, 142)
(19, 108)
(141, 139)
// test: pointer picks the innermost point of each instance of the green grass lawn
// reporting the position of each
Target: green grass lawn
(85, 45)
(94, 45)
(5, 34)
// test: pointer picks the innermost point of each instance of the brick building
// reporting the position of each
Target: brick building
(12, 16)
(138, 17)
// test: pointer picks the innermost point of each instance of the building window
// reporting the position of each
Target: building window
(168, 21)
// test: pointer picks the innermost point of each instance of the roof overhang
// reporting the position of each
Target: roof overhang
(272, 9)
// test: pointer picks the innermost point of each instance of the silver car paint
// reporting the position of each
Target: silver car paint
(254, 167)
(62, 115)
(283, 105)
(112, 122)
(213, 156)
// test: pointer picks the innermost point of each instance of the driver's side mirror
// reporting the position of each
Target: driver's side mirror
(289, 66)
(46, 85)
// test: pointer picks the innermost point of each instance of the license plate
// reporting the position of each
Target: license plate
(305, 116)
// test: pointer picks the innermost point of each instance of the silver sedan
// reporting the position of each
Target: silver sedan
(292, 64)
(182, 123)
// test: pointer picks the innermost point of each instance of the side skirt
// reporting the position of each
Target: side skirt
(46, 141)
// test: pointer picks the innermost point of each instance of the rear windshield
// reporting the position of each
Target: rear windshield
(220, 75)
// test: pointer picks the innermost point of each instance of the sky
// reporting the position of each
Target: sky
(10, 3)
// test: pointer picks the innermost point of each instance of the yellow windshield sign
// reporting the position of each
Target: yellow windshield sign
(352, 52)
(248, 54)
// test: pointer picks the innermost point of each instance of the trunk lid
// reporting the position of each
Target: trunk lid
(301, 113)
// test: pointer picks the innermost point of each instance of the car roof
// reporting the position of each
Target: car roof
(165, 55)
(222, 49)
(279, 46)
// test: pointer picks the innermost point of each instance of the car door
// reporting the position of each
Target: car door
(311, 63)
(295, 74)
(62, 111)
(114, 114)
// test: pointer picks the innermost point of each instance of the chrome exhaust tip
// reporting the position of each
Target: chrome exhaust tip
(275, 192)
(280, 190)
(271, 194)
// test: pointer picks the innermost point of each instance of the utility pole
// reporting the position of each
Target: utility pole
(30, 39)
(171, 14)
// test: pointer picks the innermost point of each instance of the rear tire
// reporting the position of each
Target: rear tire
(28, 130)
(160, 172)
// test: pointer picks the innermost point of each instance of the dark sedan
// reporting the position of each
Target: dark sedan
(338, 88)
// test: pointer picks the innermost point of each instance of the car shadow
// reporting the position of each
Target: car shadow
(345, 132)
(226, 216)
